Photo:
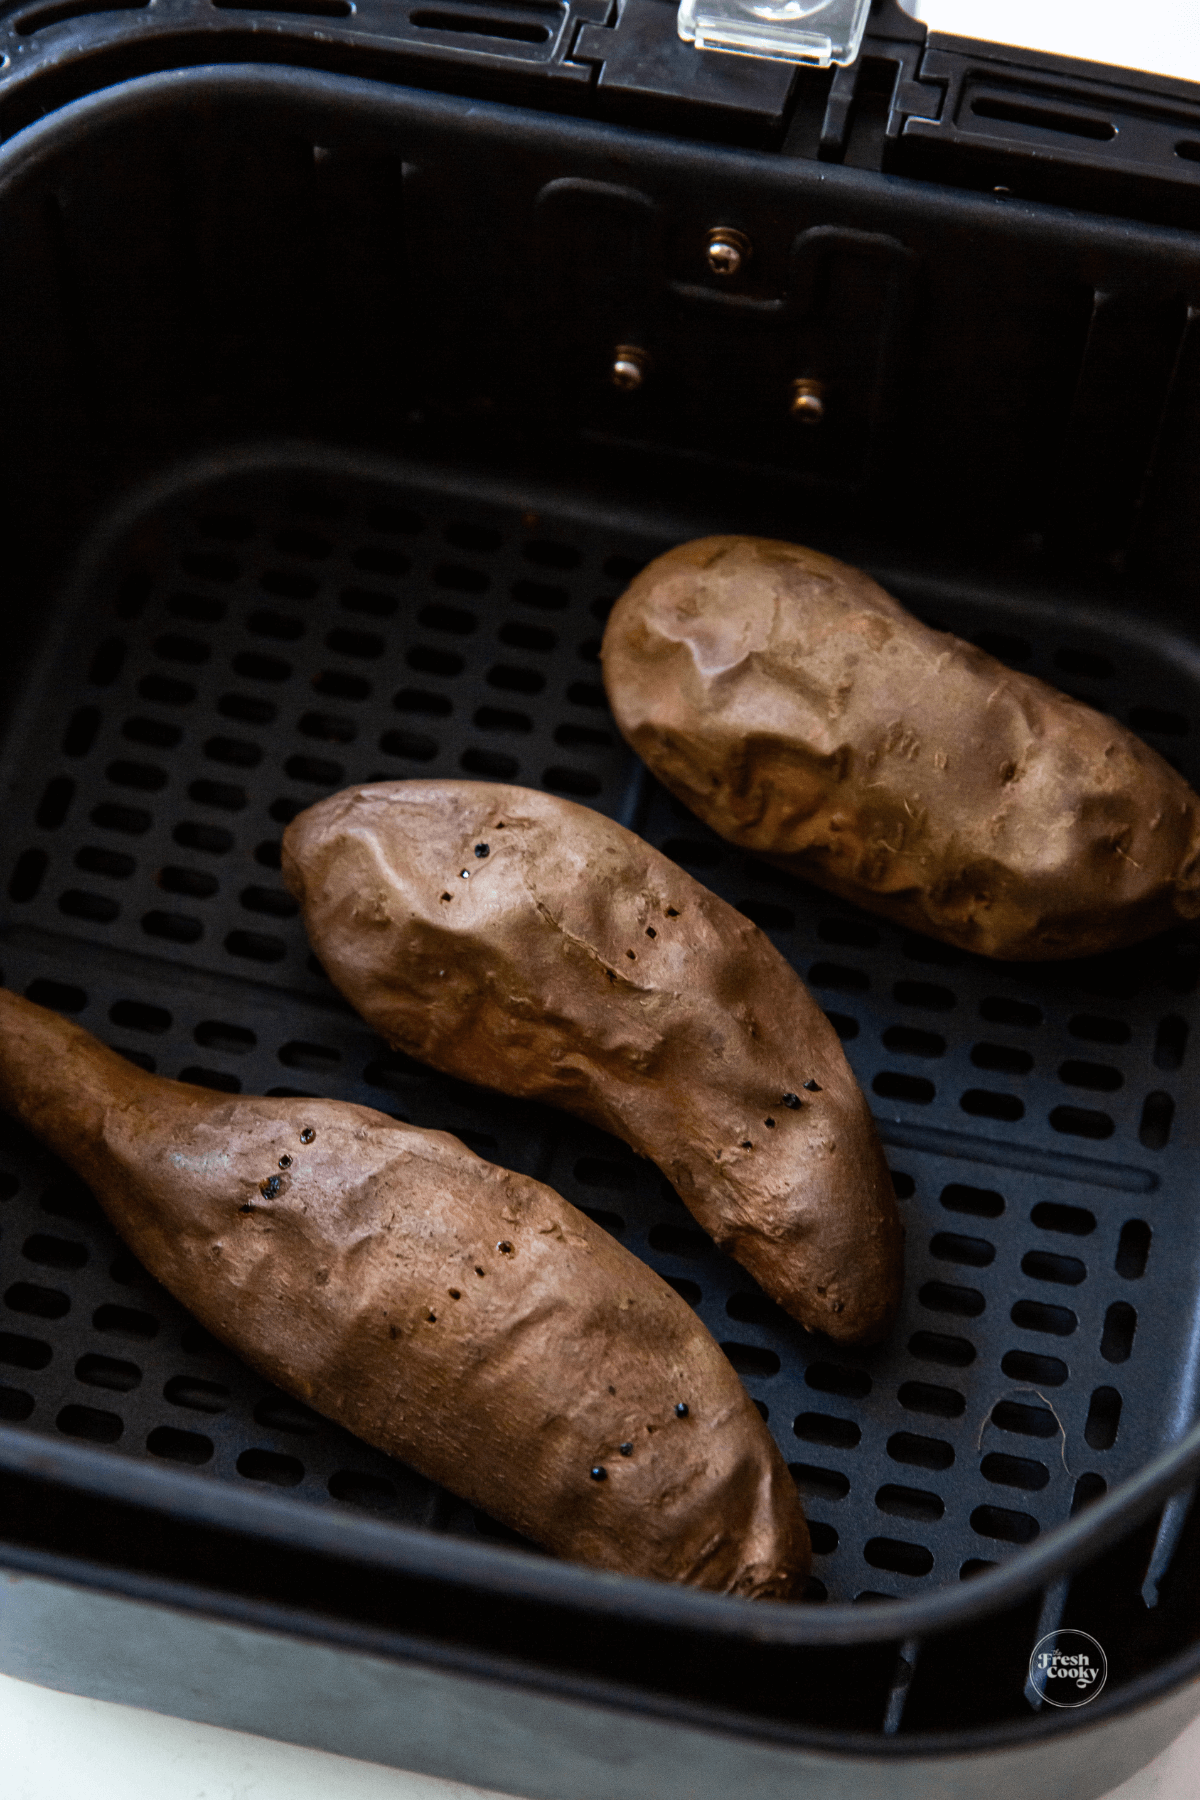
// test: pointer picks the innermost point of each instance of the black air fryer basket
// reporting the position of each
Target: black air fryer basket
(315, 472)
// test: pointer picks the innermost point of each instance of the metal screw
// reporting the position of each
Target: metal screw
(728, 250)
(629, 367)
(808, 400)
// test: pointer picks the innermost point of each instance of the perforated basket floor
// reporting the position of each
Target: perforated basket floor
(248, 643)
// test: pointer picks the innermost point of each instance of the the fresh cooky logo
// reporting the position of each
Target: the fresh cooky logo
(1067, 1668)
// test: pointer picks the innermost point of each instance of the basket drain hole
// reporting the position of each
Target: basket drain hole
(920, 1452)
(897, 1555)
(981, 1203)
(1103, 1419)
(1133, 1249)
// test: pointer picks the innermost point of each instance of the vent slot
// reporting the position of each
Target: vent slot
(1043, 118)
(42, 17)
(488, 25)
(303, 9)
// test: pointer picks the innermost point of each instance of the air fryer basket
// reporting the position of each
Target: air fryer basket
(254, 642)
(311, 492)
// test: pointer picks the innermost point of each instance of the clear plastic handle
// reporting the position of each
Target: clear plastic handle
(818, 32)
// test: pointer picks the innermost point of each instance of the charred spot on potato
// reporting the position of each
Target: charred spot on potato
(792, 1101)
(626, 1449)
(650, 931)
(482, 850)
(270, 1187)
(746, 1144)
(814, 1087)
(478, 1270)
(631, 956)
(454, 1293)
(681, 1409)
(431, 1316)
(770, 1124)
(246, 1208)
(672, 912)
(447, 896)
(599, 1472)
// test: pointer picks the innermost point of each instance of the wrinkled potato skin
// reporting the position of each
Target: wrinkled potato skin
(575, 964)
(804, 714)
(341, 1289)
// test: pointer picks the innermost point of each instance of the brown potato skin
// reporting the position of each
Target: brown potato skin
(800, 711)
(575, 964)
(341, 1288)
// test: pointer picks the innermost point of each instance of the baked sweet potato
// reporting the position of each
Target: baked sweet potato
(521, 941)
(804, 714)
(457, 1315)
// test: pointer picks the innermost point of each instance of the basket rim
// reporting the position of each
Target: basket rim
(502, 1572)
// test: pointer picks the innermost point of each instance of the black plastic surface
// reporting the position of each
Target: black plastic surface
(624, 61)
(1049, 128)
(212, 255)
(258, 641)
(997, 377)
(932, 107)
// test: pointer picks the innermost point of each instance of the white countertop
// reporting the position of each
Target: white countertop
(1160, 35)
